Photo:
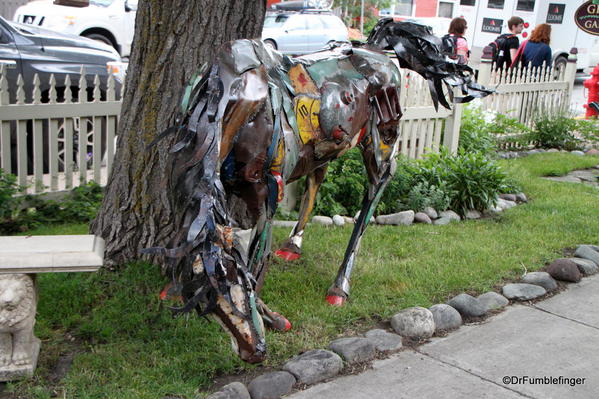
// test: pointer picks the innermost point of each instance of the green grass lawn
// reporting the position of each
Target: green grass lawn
(124, 343)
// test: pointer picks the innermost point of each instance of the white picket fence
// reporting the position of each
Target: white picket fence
(66, 141)
(526, 93)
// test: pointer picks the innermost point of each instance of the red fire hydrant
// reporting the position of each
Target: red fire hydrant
(592, 85)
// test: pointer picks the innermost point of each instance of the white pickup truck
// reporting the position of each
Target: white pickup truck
(108, 21)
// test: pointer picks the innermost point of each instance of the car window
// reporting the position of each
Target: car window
(275, 21)
(101, 3)
(332, 22)
(296, 22)
(315, 23)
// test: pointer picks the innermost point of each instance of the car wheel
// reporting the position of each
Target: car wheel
(559, 67)
(99, 37)
(270, 44)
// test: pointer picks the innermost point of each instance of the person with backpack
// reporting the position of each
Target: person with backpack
(453, 44)
(506, 45)
(537, 51)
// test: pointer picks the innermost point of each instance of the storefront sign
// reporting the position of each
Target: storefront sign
(587, 18)
(555, 13)
(492, 25)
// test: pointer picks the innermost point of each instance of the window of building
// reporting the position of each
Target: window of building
(525, 5)
(467, 2)
(496, 4)
(403, 7)
(445, 9)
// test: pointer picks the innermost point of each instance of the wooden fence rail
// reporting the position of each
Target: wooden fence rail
(61, 139)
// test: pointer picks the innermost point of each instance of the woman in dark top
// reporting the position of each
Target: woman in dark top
(537, 50)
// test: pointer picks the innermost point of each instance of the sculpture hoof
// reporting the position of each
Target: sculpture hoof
(281, 324)
(335, 300)
(286, 255)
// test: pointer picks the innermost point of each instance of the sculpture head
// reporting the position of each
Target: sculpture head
(220, 286)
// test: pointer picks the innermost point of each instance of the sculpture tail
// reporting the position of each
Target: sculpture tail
(419, 50)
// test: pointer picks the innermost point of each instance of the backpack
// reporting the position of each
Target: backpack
(449, 46)
(500, 50)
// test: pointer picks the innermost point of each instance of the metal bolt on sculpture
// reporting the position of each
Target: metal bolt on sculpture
(255, 120)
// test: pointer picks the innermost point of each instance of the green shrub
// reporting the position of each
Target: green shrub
(10, 203)
(423, 195)
(562, 131)
(483, 131)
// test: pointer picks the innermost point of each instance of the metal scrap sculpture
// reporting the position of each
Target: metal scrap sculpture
(256, 120)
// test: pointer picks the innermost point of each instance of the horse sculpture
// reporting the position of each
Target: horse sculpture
(256, 120)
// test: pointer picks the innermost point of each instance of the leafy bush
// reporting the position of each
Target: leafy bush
(562, 131)
(482, 131)
(424, 194)
(80, 206)
(10, 202)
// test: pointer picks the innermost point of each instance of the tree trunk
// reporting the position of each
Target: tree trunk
(172, 40)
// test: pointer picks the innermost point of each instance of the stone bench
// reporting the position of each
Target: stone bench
(21, 258)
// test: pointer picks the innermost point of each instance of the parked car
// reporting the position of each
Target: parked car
(302, 32)
(35, 50)
(109, 21)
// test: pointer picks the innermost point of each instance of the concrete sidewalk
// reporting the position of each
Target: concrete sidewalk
(546, 350)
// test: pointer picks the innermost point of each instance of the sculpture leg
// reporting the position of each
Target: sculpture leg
(5, 349)
(258, 265)
(291, 249)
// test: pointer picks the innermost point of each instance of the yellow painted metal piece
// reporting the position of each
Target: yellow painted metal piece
(306, 111)
(301, 81)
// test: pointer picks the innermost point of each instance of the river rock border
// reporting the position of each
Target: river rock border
(414, 326)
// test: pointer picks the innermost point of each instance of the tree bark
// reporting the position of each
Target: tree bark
(172, 40)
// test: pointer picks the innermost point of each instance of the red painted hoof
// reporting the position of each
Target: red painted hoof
(279, 323)
(286, 255)
(335, 300)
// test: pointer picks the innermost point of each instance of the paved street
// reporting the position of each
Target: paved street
(546, 350)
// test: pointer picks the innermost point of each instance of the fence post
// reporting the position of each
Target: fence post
(486, 65)
(570, 76)
(451, 134)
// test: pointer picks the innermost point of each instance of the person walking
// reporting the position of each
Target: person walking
(508, 43)
(536, 51)
(455, 35)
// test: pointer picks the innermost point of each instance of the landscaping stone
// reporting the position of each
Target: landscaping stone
(271, 385)
(467, 305)
(505, 204)
(567, 178)
(442, 221)
(451, 215)
(354, 349)
(472, 214)
(401, 218)
(313, 366)
(492, 300)
(587, 252)
(565, 270)
(592, 151)
(508, 197)
(234, 390)
(338, 220)
(416, 323)
(431, 212)
(348, 220)
(542, 279)
(553, 150)
(523, 292)
(576, 152)
(323, 220)
(585, 266)
(422, 217)
(521, 197)
(445, 317)
(493, 210)
(384, 340)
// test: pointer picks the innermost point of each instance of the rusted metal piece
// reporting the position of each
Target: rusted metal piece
(256, 120)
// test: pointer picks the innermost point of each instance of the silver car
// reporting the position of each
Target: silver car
(303, 32)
